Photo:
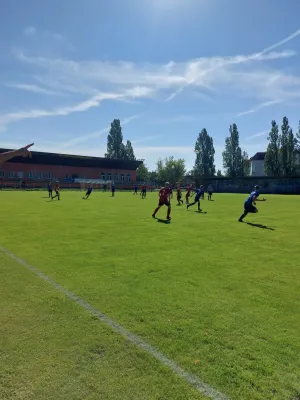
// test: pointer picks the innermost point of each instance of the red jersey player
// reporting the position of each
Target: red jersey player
(56, 188)
(179, 195)
(188, 193)
(164, 200)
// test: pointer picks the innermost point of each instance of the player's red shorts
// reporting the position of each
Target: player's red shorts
(164, 203)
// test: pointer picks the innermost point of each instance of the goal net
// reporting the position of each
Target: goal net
(96, 183)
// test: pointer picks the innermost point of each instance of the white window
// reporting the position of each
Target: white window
(39, 175)
(109, 176)
(122, 177)
(66, 176)
(128, 178)
(48, 175)
(116, 177)
(2, 174)
(20, 175)
(103, 176)
(30, 175)
(11, 174)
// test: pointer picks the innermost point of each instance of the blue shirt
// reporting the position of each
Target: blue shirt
(90, 189)
(113, 188)
(199, 192)
(252, 195)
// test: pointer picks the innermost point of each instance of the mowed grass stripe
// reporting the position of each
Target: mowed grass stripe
(52, 349)
(214, 295)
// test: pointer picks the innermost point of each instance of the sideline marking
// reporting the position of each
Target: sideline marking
(192, 379)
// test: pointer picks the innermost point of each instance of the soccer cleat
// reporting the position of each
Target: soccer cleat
(169, 218)
(153, 216)
(240, 220)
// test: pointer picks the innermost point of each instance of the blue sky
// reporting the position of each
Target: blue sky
(166, 68)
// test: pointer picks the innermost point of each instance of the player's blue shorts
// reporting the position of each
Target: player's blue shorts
(249, 207)
(197, 198)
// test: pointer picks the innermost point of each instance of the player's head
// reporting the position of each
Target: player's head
(201, 186)
(167, 184)
(256, 187)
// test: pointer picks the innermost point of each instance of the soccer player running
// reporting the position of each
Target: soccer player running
(179, 196)
(198, 194)
(144, 192)
(209, 191)
(188, 193)
(50, 190)
(135, 190)
(164, 200)
(88, 193)
(249, 205)
(56, 189)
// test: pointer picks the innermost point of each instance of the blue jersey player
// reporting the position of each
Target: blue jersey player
(249, 205)
(198, 194)
(88, 193)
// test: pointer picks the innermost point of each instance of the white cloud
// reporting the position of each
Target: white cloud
(249, 75)
(259, 107)
(29, 31)
(95, 101)
(258, 134)
(89, 136)
(32, 88)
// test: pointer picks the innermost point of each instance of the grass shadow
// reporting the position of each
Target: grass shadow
(163, 221)
(260, 226)
(200, 212)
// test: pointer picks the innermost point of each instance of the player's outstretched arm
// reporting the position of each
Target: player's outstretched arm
(24, 152)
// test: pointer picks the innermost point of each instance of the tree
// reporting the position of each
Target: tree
(246, 164)
(170, 170)
(232, 155)
(219, 173)
(272, 160)
(129, 153)
(153, 176)
(205, 155)
(284, 147)
(298, 137)
(115, 146)
(142, 173)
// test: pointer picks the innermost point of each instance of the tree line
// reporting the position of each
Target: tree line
(280, 159)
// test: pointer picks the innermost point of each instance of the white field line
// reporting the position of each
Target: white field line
(192, 379)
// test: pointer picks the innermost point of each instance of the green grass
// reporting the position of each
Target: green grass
(218, 297)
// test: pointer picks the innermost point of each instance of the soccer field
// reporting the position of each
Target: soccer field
(218, 298)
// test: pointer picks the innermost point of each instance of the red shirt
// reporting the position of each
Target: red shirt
(178, 192)
(143, 187)
(188, 190)
(56, 188)
(164, 194)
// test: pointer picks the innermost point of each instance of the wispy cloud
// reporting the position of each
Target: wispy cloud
(32, 88)
(143, 139)
(29, 31)
(94, 135)
(256, 135)
(95, 101)
(259, 107)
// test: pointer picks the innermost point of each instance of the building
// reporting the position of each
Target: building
(257, 163)
(65, 168)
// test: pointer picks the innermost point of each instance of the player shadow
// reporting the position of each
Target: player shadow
(260, 226)
(200, 212)
(45, 197)
(163, 221)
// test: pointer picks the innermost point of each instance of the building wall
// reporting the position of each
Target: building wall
(33, 171)
(257, 168)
